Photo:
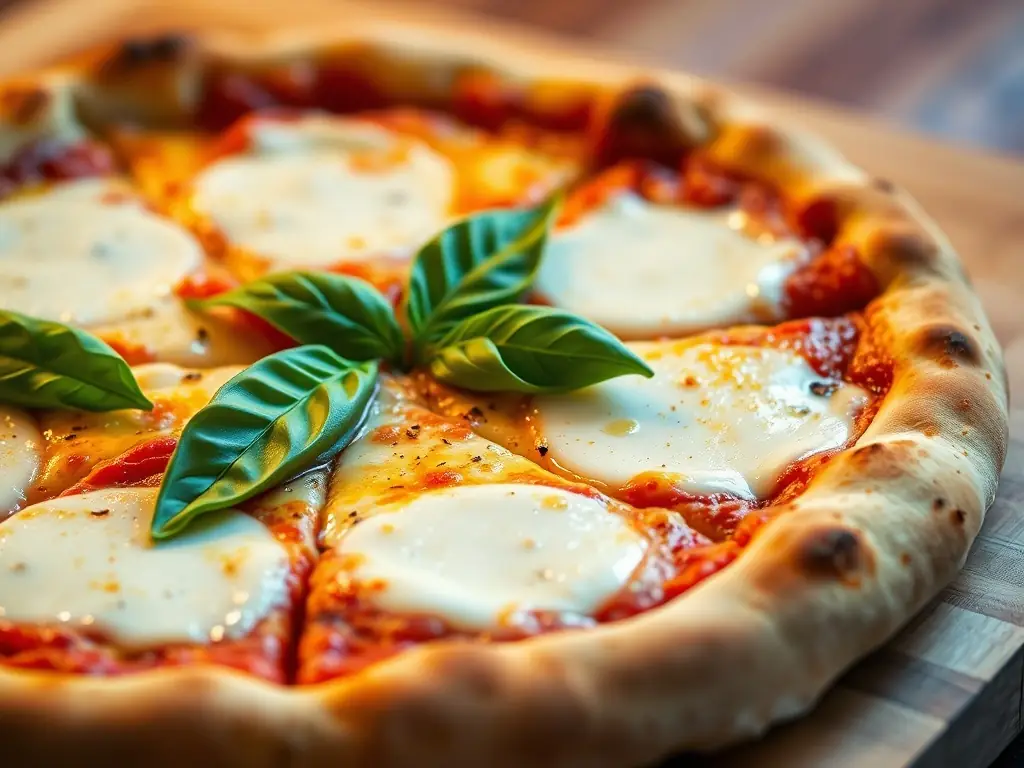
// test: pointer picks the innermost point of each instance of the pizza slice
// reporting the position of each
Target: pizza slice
(87, 592)
(730, 421)
(434, 533)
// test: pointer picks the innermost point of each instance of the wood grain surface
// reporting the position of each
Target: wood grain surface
(947, 691)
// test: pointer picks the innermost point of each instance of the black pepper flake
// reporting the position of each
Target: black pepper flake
(193, 375)
(353, 514)
(202, 335)
(823, 388)
(475, 413)
(412, 432)
(542, 450)
(394, 444)
(441, 463)
(477, 458)
(415, 427)
(72, 436)
(99, 512)
(446, 441)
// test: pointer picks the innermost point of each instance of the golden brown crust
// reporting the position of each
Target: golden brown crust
(874, 537)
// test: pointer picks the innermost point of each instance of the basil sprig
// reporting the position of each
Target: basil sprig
(344, 313)
(265, 425)
(481, 262)
(531, 349)
(44, 364)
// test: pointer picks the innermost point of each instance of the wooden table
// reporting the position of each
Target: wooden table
(947, 691)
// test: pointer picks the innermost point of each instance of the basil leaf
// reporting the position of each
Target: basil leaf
(531, 349)
(262, 427)
(49, 365)
(346, 314)
(483, 261)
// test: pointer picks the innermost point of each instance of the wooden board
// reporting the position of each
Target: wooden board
(947, 691)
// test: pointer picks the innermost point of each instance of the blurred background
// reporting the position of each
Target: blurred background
(951, 68)
(954, 68)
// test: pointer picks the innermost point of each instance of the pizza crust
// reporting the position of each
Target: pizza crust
(873, 538)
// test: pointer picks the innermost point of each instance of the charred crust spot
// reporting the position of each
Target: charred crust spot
(938, 505)
(24, 105)
(884, 185)
(643, 107)
(958, 517)
(905, 558)
(834, 553)
(160, 49)
(646, 122)
(950, 345)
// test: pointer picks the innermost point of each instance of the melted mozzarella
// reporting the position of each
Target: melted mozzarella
(78, 260)
(714, 419)
(323, 190)
(479, 555)
(173, 334)
(643, 270)
(20, 456)
(87, 561)
(400, 448)
(77, 440)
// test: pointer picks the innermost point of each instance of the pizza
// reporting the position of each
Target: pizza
(406, 399)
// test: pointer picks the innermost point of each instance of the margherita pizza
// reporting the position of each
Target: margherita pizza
(369, 403)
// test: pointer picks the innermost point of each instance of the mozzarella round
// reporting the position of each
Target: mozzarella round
(643, 270)
(20, 456)
(87, 561)
(83, 261)
(479, 556)
(321, 190)
(713, 419)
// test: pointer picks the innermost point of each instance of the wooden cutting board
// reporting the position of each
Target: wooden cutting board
(947, 691)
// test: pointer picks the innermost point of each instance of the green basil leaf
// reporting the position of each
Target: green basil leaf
(346, 314)
(49, 365)
(484, 261)
(531, 349)
(262, 427)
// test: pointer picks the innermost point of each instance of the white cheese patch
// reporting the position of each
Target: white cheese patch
(20, 456)
(643, 270)
(479, 555)
(714, 419)
(87, 561)
(174, 334)
(305, 195)
(81, 261)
